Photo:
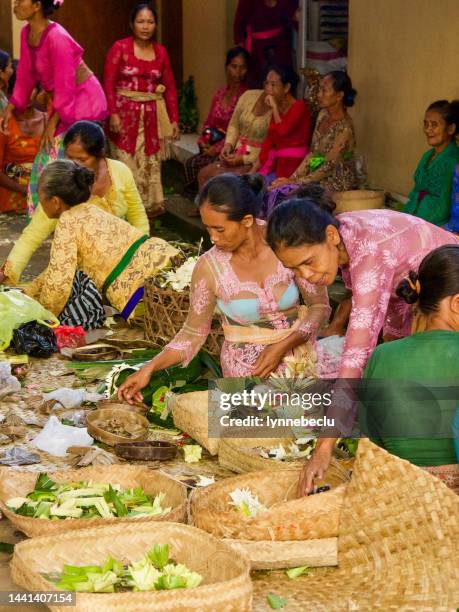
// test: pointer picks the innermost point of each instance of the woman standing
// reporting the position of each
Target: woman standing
(221, 110)
(143, 107)
(113, 190)
(259, 299)
(374, 250)
(114, 255)
(6, 72)
(331, 160)
(289, 131)
(430, 198)
(51, 58)
(265, 28)
(246, 132)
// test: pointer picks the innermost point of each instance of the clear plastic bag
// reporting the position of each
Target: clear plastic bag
(56, 438)
(17, 309)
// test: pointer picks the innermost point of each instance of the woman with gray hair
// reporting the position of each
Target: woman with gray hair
(116, 256)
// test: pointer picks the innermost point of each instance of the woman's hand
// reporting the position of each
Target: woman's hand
(235, 160)
(209, 150)
(4, 121)
(226, 152)
(269, 360)
(316, 466)
(47, 138)
(279, 182)
(130, 389)
(271, 102)
(175, 131)
(115, 124)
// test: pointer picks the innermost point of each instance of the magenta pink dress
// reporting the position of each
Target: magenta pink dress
(53, 64)
(383, 246)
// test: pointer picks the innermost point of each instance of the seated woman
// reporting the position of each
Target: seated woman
(404, 412)
(430, 198)
(114, 191)
(246, 132)
(114, 255)
(289, 131)
(6, 72)
(259, 299)
(223, 104)
(18, 149)
(374, 250)
(331, 159)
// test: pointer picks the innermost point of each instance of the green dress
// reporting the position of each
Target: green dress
(410, 395)
(431, 197)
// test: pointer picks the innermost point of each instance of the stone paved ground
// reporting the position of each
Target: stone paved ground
(11, 227)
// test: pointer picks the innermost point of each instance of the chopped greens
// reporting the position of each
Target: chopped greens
(154, 572)
(50, 500)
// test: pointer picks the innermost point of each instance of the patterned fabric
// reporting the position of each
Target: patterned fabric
(42, 158)
(193, 166)
(292, 132)
(85, 305)
(214, 280)
(92, 241)
(54, 64)
(124, 71)
(122, 200)
(453, 224)
(145, 168)
(383, 246)
(18, 152)
(336, 142)
(430, 198)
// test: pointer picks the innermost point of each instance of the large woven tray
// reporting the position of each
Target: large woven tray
(165, 313)
(18, 484)
(287, 519)
(226, 585)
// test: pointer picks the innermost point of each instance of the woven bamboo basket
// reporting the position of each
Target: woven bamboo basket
(397, 544)
(126, 416)
(226, 582)
(190, 412)
(358, 199)
(283, 555)
(165, 313)
(18, 484)
(288, 518)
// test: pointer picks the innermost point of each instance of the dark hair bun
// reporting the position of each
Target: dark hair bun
(349, 99)
(48, 7)
(315, 192)
(255, 182)
(406, 289)
(84, 177)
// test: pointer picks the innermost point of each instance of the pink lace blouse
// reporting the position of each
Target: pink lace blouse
(383, 246)
(53, 64)
(215, 283)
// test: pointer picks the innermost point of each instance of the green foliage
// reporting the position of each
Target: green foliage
(188, 107)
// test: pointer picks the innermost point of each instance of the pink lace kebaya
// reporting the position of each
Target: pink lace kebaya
(273, 306)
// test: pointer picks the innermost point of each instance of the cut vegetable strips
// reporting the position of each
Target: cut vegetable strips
(276, 602)
(296, 571)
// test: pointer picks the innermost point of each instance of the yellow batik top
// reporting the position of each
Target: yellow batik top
(89, 239)
(122, 200)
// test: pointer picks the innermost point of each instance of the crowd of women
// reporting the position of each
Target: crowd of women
(266, 175)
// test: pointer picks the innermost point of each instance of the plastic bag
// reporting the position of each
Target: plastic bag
(17, 309)
(72, 398)
(70, 337)
(35, 339)
(8, 382)
(56, 438)
(19, 456)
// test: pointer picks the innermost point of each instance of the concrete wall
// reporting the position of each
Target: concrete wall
(403, 54)
(207, 35)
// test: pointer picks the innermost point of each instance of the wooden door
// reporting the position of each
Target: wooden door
(6, 27)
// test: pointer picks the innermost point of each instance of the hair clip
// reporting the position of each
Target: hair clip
(415, 286)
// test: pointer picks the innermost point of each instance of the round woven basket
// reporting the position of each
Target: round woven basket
(165, 313)
(226, 581)
(359, 199)
(126, 416)
(288, 518)
(18, 484)
(190, 412)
